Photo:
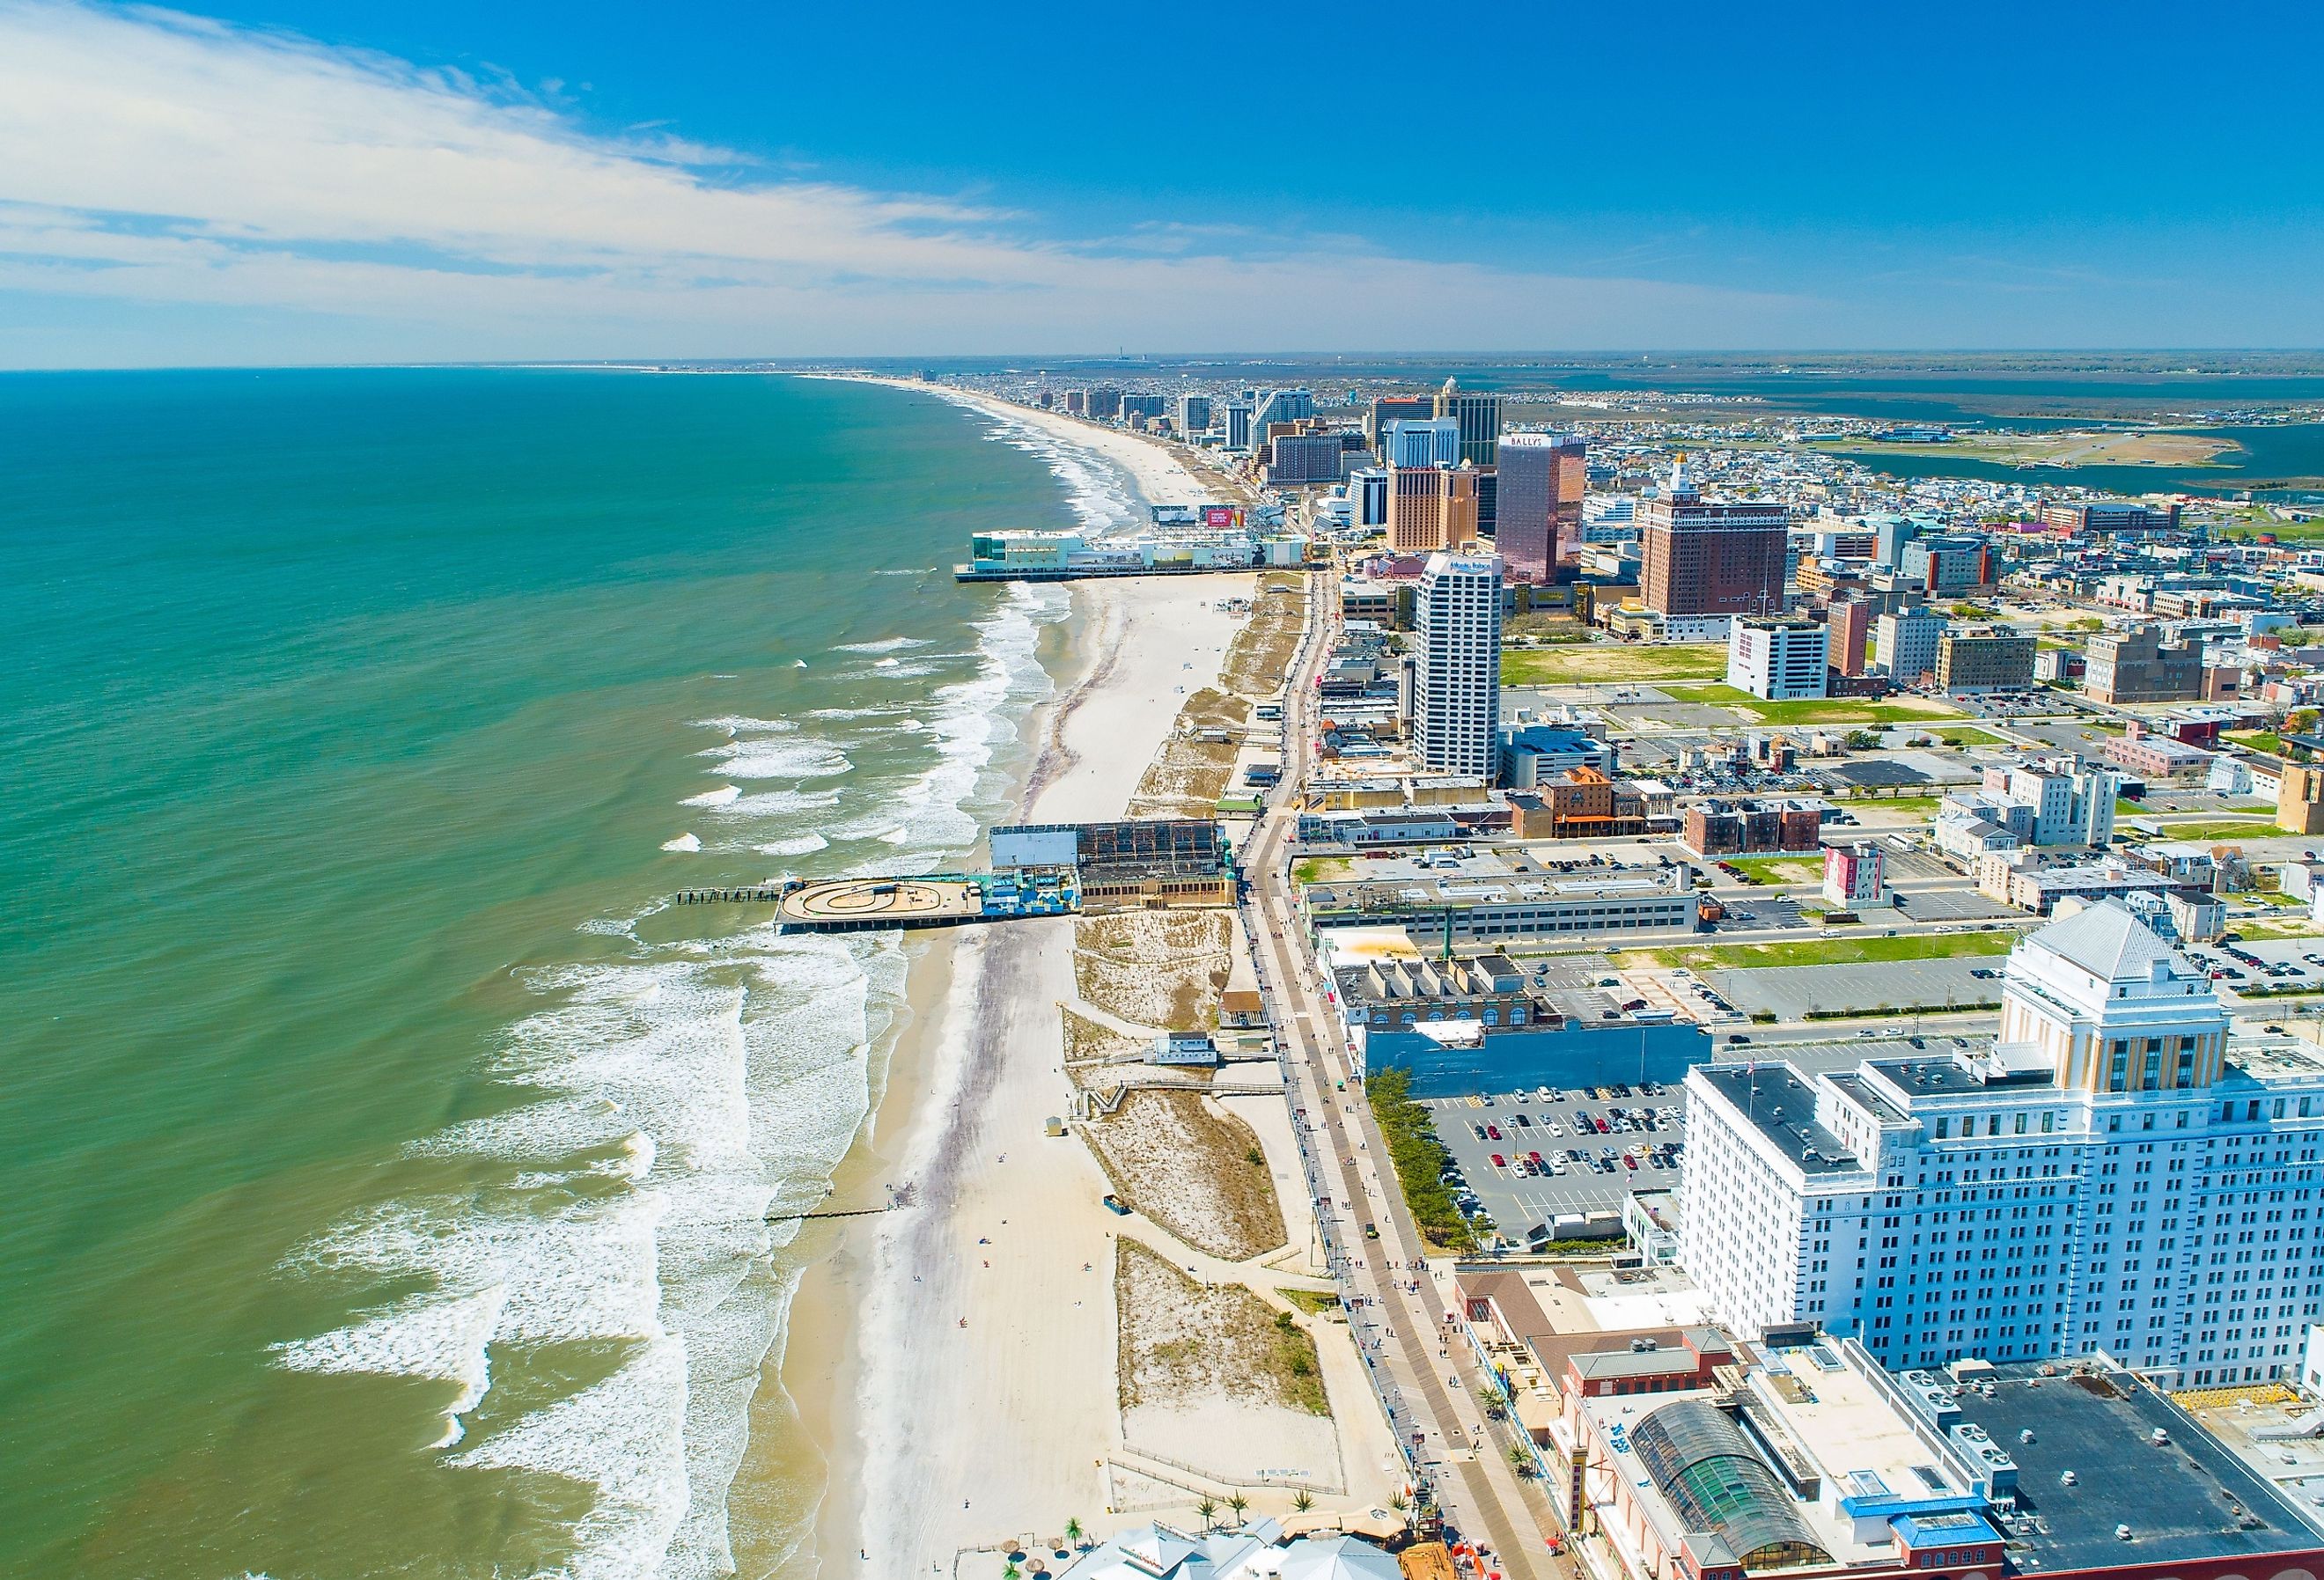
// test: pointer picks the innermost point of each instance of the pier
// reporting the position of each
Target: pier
(862, 905)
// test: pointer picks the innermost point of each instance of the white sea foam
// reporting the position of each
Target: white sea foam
(784, 757)
(1099, 490)
(797, 845)
(684, 842)
(886, 644)
(419, 1337)
(656, 1107)
(740, 724)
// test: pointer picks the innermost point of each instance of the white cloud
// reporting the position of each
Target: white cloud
(329, 198)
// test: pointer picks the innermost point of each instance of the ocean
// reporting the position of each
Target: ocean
(391, 1164)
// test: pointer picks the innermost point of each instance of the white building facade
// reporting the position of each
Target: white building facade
(1421, 443)
(1904, 643)
(1456, 693)
(2108, 1176)
(1783, 660)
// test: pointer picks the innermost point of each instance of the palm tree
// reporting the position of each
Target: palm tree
(1303, 1501)
(1209, 1510)
(1520, 1459)
(1396, 1500)
(1010, 1571)
(1074, 1531)
(1238, 1504)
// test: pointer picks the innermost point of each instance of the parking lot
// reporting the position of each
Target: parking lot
(1517, 1201)
(1791, 991)
(1960, 904)
(2290, 958)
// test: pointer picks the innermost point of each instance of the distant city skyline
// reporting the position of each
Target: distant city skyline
(298, 181)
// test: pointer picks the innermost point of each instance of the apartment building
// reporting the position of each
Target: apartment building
(1783, 660)
(1985, 660)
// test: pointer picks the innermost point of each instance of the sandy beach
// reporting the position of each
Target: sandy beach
(1161, 477)
(953, 1362)
(981, 1393)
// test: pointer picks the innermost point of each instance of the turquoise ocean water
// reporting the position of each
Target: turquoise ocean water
(390, 1167)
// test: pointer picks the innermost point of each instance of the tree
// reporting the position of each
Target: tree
(1239, 1503)
(1209, 1510)
(1074, 1531)
(1521, 1459)
(1303, 1501)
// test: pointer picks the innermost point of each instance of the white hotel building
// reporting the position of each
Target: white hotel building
(2110, 1175)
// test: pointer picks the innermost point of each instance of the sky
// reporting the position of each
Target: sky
(294, 181)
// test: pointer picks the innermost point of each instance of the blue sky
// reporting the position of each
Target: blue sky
(354, 180)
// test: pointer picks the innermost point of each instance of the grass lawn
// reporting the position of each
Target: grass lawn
(1313, 1302)
(1324, 869)
(1778, 869)
(2252, 930)
(1814, 710)
(2249, 828)
(1862, 803)
(1612, 663)
(1832, 951)
(2266, 741)
(1965, 735)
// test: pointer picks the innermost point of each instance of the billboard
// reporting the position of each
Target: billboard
(1218, 518)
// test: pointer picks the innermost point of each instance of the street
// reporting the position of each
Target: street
(1396, 1300)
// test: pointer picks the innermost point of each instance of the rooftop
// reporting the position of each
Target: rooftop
(1774, 1098)
(2185, 1499)
(2110, 944)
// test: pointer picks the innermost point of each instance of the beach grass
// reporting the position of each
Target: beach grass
(1158, 969)
(1187, 1165)
(1313, 1302)
(1182, 1343)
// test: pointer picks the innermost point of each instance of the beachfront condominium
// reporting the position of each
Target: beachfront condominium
(1480, 417)
(1433, 441)
(1237, 423)
(1194, 414)
(1298, 460)
(1704, 557)
(2117, 1173)
(1431, 508)
(1537, 504)
(1456, 693)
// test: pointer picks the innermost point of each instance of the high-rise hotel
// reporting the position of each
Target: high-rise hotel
(1698, 557)
(1537, 505)
(2109, 1175)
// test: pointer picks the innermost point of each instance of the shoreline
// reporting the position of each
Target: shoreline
(1158, 475)
(958, 1076)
